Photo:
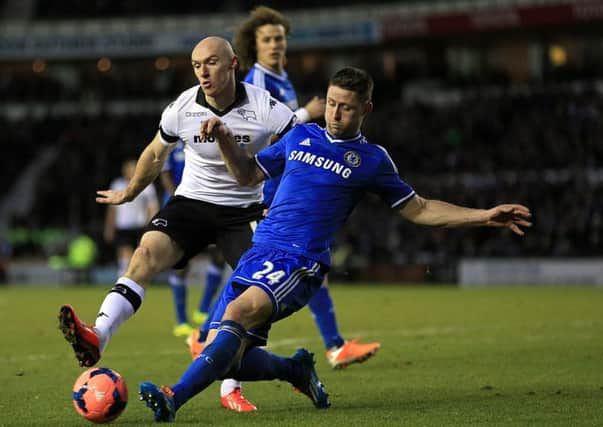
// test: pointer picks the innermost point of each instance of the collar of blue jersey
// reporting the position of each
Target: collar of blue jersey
(240, 95)
(358, 138)
(283, 76)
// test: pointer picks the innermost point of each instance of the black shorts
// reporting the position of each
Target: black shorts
(194, 225)
(127, 237)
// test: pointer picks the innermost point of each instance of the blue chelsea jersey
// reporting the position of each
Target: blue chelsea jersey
(281, 88)
(278, 85)
(323, 179)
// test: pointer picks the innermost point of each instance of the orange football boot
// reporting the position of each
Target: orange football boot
(351, 352)
(194, 346)
(235, 401)
(82, 337)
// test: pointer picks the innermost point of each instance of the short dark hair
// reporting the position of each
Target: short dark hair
(244, 38)
(354, 79)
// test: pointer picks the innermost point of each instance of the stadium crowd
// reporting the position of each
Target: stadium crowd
(538, 144)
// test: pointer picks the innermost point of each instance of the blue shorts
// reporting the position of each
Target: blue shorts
(289, 280)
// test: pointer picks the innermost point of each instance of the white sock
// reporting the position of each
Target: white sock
(228, 386)
(116, 309)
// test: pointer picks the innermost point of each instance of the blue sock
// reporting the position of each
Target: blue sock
(212, 283)
(323, 311)
(258, 364)
(178, 286)
(204, 329)
(212, 364)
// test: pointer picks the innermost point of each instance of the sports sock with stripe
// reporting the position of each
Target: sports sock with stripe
(122, 301)
(210, 365)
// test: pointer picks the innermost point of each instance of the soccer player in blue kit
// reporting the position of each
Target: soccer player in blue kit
(332, 168)
(261, 45)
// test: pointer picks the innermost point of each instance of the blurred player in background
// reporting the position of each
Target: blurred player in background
(291, 247)
(170, 177)
(124, 224)
(209, 206)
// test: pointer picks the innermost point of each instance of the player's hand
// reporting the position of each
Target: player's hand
(316, 108)
(216, 128)
(510, 216)
(111, 197)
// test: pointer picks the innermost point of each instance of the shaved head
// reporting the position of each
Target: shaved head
(215, 65)
(213, 46)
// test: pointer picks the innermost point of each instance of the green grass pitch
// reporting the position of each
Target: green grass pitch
(449, 357)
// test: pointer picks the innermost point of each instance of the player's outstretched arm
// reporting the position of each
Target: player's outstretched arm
(238, 161)
(148, 167)
(438, 213)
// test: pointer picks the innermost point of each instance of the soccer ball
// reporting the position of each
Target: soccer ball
(100, 395)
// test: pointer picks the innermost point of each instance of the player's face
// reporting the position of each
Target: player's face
(271, 46)
(214, 68)
(344, 112)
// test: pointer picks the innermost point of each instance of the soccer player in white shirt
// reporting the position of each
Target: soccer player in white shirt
(209, 205)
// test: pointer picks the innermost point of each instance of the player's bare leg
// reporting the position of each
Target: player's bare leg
(156, 253)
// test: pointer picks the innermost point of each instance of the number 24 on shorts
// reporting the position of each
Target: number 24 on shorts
(272, 276)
